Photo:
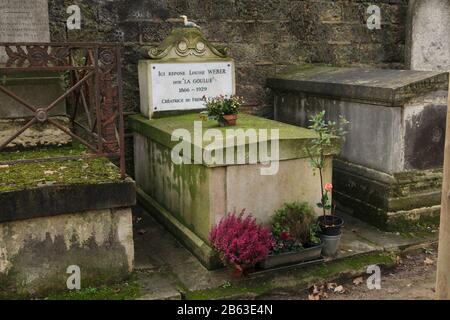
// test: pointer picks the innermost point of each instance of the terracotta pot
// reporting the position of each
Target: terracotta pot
(229, 120)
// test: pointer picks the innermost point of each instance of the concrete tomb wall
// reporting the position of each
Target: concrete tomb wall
(35, 253)
(389, 170)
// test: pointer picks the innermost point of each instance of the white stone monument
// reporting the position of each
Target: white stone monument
(181, 72)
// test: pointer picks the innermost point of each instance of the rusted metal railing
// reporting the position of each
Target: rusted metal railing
(93, 87)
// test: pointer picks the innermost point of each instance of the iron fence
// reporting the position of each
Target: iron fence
(92, 74)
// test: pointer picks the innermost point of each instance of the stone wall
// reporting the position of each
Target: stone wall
(35, 253)
(262, 35)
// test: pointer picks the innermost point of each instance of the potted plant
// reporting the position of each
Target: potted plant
(241, 242)
(294, 230)
(330, 224)
(224, 109)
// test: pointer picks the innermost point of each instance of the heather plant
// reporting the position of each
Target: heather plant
(241, 241)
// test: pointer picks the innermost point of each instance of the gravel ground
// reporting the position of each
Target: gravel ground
(412, 279)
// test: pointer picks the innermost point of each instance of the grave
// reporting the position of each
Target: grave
(191, 196)
(390, 170)
(27, 21)
(61, 209)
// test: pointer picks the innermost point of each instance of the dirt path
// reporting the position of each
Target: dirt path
(412, 279)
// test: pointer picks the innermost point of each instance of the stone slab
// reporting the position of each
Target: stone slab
(183, 86)
(56, 200)
(23, 21)
(292, 139)
(377, 86)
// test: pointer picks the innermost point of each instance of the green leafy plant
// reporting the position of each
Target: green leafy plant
(294, 227)
(220, 106)
(326, 131)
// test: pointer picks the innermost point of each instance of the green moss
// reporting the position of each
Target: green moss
(29, 175)
(293, 140)
(123, 291)
(48, 152)
(294, 278)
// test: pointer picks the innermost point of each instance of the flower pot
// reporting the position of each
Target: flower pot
(240, 271)
(289, 258)
(330, 225)
(228, 120)
(330, 244)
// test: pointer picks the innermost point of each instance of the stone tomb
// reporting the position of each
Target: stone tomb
(27, 21)
(390, 169)
(190, 197)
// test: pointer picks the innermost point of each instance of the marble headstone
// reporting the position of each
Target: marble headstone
(23, 21)
(28, 21)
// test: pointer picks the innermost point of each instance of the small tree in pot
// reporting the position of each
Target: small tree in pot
(326, 131)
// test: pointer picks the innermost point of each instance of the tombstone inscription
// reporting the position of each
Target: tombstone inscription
(23, 21)
(182, 72)
(28, 21)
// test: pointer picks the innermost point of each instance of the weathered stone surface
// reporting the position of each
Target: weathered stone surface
(189, 199)
(393, 152)
(375, 86)
(38, 135)
(23, 21)
(261, 34)
(28, 21)
(55, 200)
(427, 41)
(389, 201)
(35, 253)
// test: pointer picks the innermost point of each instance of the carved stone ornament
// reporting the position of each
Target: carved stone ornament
(186, 43)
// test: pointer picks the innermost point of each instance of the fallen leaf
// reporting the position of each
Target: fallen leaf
(428, 261)
(49, 172)
(46, 183)
(314, 297)
(331, 285)
(358, 281)
(339, 289)
(317, 292)
(142, 231)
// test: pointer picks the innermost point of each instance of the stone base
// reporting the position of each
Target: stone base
(35, 253)
(57, 214)
(191, 198)
(391, 202)
(199, 248)
(38, 135)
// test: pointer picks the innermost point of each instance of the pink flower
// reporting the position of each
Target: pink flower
(285, 235)
(240, 240)
(328, 186)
